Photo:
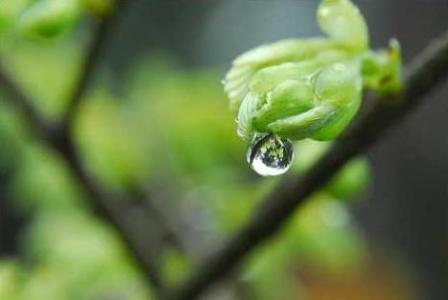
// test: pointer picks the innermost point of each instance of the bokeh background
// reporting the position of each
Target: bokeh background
(156, 119)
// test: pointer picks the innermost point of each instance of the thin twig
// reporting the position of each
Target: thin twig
(42, 127)
(133, 230)
(429, 69)
(170, 224)
(141, 247)
(90, 64)
(105, 205)
(114, 211)
(173, 223)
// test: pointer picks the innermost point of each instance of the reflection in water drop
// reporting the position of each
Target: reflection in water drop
(270, 155)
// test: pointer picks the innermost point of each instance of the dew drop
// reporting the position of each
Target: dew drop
(270, 155)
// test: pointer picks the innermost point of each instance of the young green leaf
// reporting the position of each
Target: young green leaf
(343, 22)
(311, 88)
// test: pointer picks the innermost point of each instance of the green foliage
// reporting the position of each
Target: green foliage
(321, 236)
(95, 264)
(269, 273)
(9, 12)
(168, 124)
(12, 136)
(73, 258)
(172, 107)
(9, 279)
(35, 65)
(49, 18)
(41, 170)
(324, 235)
(123, 144)
(176, 266)
(351, 181)
(311, 88)
(102, 122)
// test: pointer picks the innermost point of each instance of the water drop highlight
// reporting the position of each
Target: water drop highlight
(270, 155)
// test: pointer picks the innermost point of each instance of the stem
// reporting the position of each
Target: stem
(429, 69)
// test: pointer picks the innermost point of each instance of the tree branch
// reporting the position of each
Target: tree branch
(171, 224)
(90, 64)
(106, 205)
(132, 229)
(42, 127)
(114, 210)
(429, 69)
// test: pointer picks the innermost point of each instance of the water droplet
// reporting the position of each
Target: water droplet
(270, 155)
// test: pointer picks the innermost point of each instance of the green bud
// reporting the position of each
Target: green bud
(245, 66)
(381, 70)
(311, 88)
(343, 22)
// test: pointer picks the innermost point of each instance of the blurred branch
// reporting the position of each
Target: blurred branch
(115, 212)
(133, 227)
(90, 64)
(105, 205)
(11, 222)
(42, 127)
(172, 225)
(429, 69)
(175, 225)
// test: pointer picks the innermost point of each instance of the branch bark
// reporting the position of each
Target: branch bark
(429, 69)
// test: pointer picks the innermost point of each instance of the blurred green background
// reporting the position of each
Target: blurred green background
(156, 119)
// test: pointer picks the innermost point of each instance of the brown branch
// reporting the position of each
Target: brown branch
(132, 229)
(170, 222)
(429, 69)
(90, 63)
(106, 205)
(174, 223)
(114, 210)
(41, 126)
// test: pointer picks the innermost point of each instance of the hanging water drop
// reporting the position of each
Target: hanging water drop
(270, 155)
